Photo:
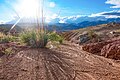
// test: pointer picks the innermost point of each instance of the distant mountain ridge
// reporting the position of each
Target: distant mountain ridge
(69, 24)
(73, 26)
(6, 27)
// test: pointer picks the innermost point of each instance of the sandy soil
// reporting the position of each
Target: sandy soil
(67, 62)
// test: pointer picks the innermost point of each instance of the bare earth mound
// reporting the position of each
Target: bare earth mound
(68, 62)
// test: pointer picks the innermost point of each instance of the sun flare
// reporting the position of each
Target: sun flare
(32, 9)
(28, 8)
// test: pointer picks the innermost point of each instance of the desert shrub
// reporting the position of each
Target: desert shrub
(92, 34)
(8, 51)
(41, 39)
(4, 38)
(2, 35)
(13, 38)
(34, 39)
(7, 38)
(55, 37)
(26, 36)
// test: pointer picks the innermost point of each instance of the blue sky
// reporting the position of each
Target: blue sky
(9, 9)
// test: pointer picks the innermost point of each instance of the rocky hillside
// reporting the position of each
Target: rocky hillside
(93, 34)
(102, 40)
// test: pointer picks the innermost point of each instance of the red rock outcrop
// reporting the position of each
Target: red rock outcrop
(94, 47)
(111, 50)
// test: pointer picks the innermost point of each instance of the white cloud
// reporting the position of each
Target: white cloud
(116, 3)
(62, 21)
(97, 14)
(52, 4)
(106, 16)
(71, 18)
(54, 16)
(49, 18)
(75, 17)
(112, 16)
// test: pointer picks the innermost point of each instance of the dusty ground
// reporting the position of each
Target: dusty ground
(68, 62)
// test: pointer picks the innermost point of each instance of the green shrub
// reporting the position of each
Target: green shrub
(13, 39)
(8, 51)
(4, 40)
(94, 37)
(38, 39)
(7, 39)
(26, 37)
(34, 39)
(2, 35)
(92, 34)
(55, 37)
(61, 40)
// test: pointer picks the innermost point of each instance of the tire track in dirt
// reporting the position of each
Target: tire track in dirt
(57, 66)
(97, 66)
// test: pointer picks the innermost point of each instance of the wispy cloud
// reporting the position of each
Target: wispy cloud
(115, 3)
(64, 19)
(97, 14)
(49, 18)
(109, 14)
(112, 13)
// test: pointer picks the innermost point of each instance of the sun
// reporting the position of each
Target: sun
(32, 9)
(28, 8)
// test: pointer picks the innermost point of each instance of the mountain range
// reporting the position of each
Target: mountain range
(82, 23)
(68, 23)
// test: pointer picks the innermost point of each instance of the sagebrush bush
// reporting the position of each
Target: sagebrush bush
(7, 38)
(92, 34)
(8, 51)
(26, 36)
(34, 39)
(13, 39)
(2, 35)
(55, 37)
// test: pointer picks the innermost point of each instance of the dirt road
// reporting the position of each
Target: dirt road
(68, 62)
